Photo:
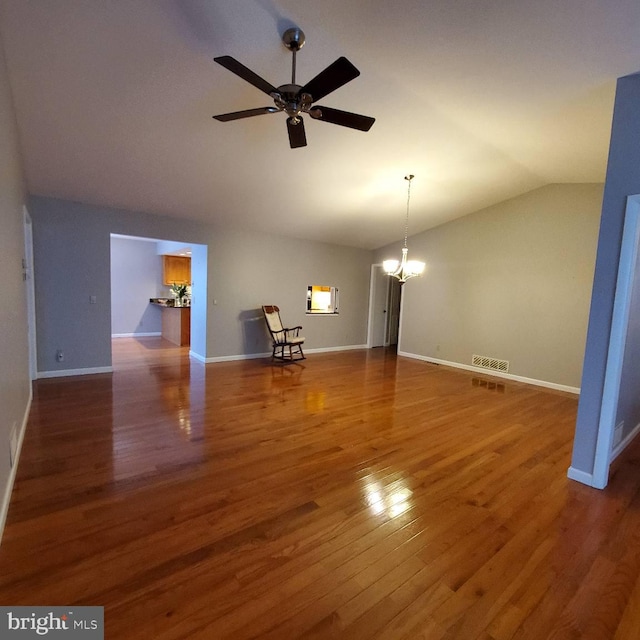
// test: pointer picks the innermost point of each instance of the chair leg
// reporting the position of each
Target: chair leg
(278, 352)
(295, 352)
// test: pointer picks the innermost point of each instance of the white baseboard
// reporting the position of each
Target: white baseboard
(581, 476)
(6, 499)
(349, 347)
(588, 478)
(61, 373)
(152, 334)
(252, 356)
(490, 372)
(197, 356)
(249, 356)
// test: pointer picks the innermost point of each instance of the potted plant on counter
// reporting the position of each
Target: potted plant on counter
(180, 292)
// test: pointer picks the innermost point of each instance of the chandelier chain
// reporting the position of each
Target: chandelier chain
(409, 178)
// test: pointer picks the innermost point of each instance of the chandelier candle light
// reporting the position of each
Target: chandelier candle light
(404, 269)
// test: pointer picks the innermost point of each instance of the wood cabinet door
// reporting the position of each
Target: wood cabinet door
(176, 269)
(184, 270)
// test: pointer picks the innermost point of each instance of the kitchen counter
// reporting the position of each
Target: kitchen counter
(166, 302)
(176, 324)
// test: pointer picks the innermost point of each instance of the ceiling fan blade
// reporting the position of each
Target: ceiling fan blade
(343, 118)
(245, 73)
(248, 113)
(297, 137)
(338, 73)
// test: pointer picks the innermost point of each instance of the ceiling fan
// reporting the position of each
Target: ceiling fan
(295, 99)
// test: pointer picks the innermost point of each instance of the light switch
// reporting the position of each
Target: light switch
(92, 299)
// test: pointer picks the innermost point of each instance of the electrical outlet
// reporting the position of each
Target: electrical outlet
(60, 355)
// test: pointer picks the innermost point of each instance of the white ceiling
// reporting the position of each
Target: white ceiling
(481, 99)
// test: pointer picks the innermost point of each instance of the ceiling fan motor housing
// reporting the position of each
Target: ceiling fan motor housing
(290, 100)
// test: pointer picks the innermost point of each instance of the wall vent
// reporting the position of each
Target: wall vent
(617, 433)
(490, 363)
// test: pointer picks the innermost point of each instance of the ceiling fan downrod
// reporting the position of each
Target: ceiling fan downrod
(293, 39)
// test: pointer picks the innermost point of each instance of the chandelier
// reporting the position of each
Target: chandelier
(404, 269)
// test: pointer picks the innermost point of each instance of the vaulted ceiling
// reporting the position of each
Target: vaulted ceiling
(481, 99)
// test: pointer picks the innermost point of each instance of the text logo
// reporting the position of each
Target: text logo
(77, 623)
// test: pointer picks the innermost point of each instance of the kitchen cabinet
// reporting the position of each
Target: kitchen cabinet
(176, 269)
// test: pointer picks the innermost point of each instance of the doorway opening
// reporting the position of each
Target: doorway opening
(385, 298)
(146, 309)
(619, 415)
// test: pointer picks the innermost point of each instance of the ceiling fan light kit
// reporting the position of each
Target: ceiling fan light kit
(404, 269)
(294, 99)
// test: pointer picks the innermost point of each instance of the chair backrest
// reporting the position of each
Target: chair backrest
(272, 316)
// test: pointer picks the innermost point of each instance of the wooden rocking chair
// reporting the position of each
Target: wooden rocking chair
(282, 337)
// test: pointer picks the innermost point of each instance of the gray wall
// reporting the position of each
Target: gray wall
(512, 281)
(623, 179)
(14, 374)
(244, 271)
(253, 270)
(136, 276)
(71, 263)
(72, 245)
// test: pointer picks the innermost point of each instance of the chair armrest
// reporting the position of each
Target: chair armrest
(279, 335)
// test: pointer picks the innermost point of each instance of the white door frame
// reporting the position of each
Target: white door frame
(28, 275)
(619, 325)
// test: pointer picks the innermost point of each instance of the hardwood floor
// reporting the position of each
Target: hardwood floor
(354, 495)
